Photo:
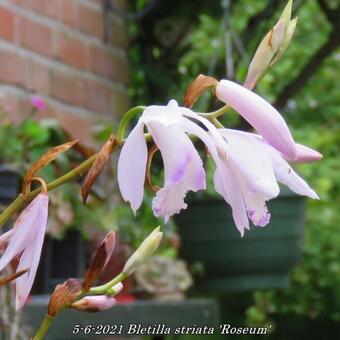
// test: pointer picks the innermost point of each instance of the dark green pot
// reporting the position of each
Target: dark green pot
(263, 258)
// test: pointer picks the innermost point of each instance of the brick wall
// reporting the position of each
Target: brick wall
(56, 48)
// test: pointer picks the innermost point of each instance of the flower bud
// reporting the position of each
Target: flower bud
(264, 54)
(95, 303)
(145, 250)
(290, 29)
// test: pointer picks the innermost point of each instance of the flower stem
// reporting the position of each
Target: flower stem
(217, 113)
(216, 122)
(20, 201)
(45, 325)
(125, 120)
(102, 289)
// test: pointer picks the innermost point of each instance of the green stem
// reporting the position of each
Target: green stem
(125, 120)
(102, 289)
(217, 113)
(217, 123)
(45, 325)
(20, 201)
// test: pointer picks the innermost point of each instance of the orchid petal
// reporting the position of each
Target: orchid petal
(23, 232)
(283, 171)
(304, 154)
(183, 168)
(132, 166)
(256, 209)
(227, 185)
(31, 256)
(255, 165)
(260, 114)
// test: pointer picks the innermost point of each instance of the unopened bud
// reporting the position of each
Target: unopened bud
(95, 303)
(290, 29)
(265, 54)
(287, 12)
(271, 47)
(145, 250)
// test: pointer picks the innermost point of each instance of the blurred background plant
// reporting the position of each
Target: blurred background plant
(176, 40)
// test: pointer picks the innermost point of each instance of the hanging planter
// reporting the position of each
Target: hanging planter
(263, 258)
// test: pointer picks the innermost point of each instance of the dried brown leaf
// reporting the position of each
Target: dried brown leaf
(97, 167)
(7, 279)
(64, 294)
(99, 261)
(196, 88)
(45, 159)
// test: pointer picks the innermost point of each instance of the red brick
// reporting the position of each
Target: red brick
(13, 68)
(100, 62)
(26, 3)
(38, 79)
(91, 21)
(107, 64)
(78, 126)
(97, 96)
(119, 103)
(6, 24)
(16, 107)
(35, 36)
(118, 34)
(72, 51)
(48, 8)
(67, 87)
(68, 12)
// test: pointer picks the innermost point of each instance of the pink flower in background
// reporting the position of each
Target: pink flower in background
(38, 103)
(25, 240)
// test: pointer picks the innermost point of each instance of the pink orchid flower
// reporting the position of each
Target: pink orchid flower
(38, 103)
(260, 114)
(183, 168)
(247, 172)
(25, 239)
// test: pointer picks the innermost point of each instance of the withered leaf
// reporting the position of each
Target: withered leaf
(64, 294)
(7, 279)
(45, 159)
(97, 167)
(196, 88)
(99, 261)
